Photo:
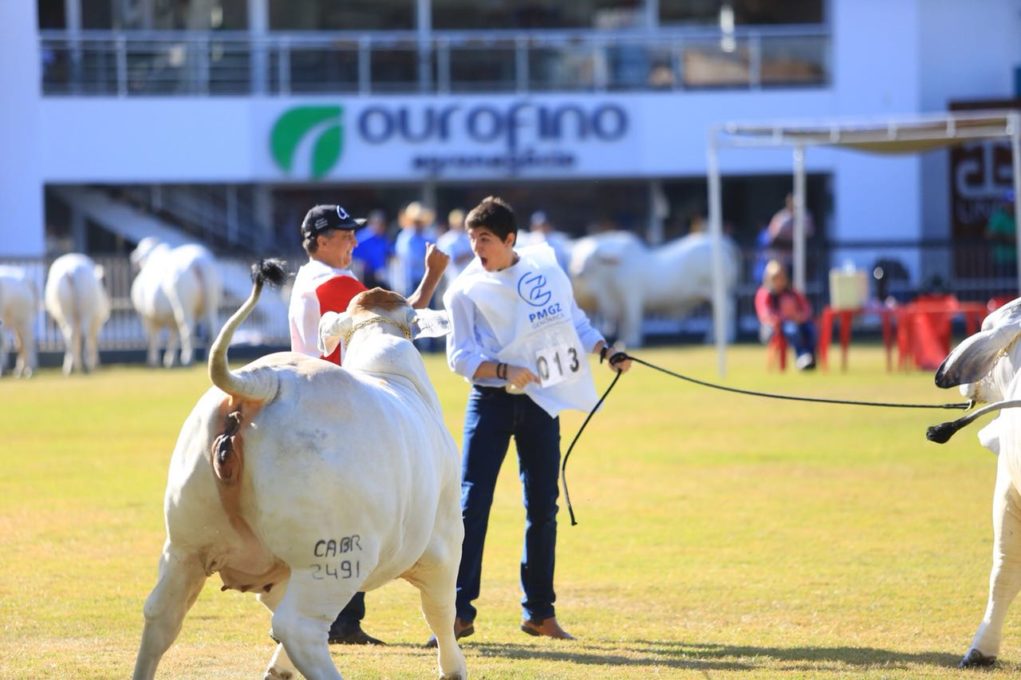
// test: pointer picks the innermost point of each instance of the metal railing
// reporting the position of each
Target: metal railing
(107, 63)
(968, 271)
(219, 215)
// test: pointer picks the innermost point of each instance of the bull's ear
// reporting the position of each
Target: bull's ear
(1007, 314)
(332, 329)
(429, 323)
(974, 358)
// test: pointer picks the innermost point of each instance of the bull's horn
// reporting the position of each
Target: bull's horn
(259, 385)
(942, 433)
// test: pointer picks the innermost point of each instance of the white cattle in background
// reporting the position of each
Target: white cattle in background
(79, 304)
(619, 279)
(19, 302)
(986, 366)
(174, 289)
(305, 483)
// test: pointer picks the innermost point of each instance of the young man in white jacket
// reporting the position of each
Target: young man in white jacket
(520, 339)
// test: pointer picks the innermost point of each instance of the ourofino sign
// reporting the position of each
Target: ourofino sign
(318, 128)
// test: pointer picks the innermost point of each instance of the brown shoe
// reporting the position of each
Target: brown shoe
(462, 629)
(546, 628)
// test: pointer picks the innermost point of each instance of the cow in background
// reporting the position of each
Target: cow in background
(19, 301)
(306, 482)
(619, 280)
(174, 288)
(79, 304)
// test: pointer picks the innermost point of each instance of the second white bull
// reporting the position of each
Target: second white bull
(619, 279)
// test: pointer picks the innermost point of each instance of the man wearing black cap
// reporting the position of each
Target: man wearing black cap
(325, 284)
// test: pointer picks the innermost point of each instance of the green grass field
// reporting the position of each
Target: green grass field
(720, 536)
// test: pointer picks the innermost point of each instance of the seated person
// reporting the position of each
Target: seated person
(776, 303)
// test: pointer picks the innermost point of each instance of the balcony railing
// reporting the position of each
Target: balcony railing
(126, 64)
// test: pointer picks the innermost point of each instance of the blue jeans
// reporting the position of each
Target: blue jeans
(493, 416)
(800, 336)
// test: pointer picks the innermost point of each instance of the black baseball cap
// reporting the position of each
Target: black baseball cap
(324, 217)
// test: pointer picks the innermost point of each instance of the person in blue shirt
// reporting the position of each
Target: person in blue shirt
(374, 251)
(417, 232)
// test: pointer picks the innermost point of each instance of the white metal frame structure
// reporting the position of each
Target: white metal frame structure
(904, 135)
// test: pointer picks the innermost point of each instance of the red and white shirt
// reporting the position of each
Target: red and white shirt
(318, 288)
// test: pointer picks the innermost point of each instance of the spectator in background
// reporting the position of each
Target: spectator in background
(417, 232)
(374, 251)
(541, 231)
(779, 306)
(780, 232)
(456, 244)
(1001, 231)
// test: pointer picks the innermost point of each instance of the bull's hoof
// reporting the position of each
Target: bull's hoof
(273, 673)
(976, 659)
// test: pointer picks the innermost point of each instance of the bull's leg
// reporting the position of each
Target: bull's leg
(302, 619)
(29, 357)
(170, 351)
(280, 665)
(180, 582)
(185, 329)
(631, 320)
(91, 357)
(435, 576)
(152, 332)
(1005, 578)
(72, 356)
(3, 350)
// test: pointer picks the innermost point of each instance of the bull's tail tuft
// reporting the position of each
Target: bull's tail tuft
(256, 385)
(270, 270)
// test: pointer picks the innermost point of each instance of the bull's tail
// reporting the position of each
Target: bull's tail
(254, 386)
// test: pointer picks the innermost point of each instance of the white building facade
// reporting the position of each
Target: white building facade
(585, 110)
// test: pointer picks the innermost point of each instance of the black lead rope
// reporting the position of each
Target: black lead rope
(621, 356)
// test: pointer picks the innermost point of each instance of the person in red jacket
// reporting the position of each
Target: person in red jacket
(325, 284)
(778, 305)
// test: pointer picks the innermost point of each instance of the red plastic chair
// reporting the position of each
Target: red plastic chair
(776, 349)
(998, 301)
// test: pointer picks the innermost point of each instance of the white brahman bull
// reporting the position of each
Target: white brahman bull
(306, 483)
(79, 305)
(19, 301)
(986, 367)
(174, 288)
(619, 279)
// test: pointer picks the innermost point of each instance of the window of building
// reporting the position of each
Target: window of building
(745, 12)
(535, 14)
(343, 15)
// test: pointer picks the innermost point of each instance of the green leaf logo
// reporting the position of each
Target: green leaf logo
(323, 123)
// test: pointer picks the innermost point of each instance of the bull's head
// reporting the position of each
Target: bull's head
(985, 364)
(381, 309)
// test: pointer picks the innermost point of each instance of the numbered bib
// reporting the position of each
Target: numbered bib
(557, 364)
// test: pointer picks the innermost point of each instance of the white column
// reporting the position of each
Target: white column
(658, 211)
(716, 229)
(258, 30)
(1015, 151)
(22, 229)
(799, 218)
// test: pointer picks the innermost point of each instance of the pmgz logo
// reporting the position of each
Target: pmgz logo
(533, 289)
(319, 126)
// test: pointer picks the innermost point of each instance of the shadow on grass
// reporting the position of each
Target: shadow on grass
(636, 656)
(849, 656)
(700, 656)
